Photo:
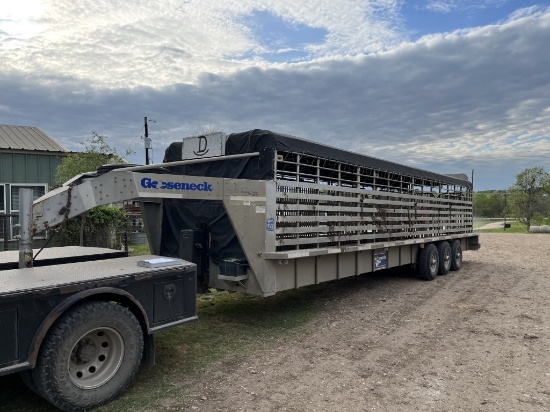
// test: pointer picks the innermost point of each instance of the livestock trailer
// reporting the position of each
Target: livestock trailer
(291, 213)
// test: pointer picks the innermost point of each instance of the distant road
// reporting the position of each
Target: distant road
(493, 225)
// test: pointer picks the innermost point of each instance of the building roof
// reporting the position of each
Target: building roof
(27, 138)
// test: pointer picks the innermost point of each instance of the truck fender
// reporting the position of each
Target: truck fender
(108, 293)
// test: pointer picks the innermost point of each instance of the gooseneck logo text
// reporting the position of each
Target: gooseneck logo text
(148, 183)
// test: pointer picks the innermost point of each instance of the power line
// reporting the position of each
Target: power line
(147, 141)
(138, 134)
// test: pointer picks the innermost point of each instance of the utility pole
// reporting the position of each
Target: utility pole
(505, 208)
(147, 143)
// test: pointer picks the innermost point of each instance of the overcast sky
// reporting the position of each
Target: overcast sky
(444, 85)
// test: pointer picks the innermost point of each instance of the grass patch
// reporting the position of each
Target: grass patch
(138, 250)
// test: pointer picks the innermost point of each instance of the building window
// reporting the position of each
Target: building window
(37, 191)
(2, 199)
(3, 219)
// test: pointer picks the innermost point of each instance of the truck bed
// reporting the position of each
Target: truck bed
(17, 281)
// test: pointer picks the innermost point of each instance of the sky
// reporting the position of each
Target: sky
(450, 86)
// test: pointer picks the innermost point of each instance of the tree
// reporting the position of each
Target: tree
(529, 194)
(489, 203)
(97, 152)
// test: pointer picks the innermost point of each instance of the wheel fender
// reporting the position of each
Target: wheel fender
(68, 303)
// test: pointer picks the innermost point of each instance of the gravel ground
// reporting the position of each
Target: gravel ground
(474, 340)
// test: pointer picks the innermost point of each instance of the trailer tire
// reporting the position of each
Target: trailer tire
(428, 262)
(445, 257)
(456, 255)
(89, 357)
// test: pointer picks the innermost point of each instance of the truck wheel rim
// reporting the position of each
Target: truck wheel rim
(96, 357)
(447, 259)
(458, 255)
(433, 262)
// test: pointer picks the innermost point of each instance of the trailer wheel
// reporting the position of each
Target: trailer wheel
(456, 255)
(444, 252)
(89, 357)
(428, 262)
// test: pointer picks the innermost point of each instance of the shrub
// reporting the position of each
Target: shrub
(104, 226)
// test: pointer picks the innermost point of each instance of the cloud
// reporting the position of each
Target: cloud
(473, 98)
(160, 42)
(529, 12)
(448, 6)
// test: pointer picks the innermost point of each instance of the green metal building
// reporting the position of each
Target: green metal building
(28, 159)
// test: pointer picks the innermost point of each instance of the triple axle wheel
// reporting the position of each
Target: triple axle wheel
(439, 258)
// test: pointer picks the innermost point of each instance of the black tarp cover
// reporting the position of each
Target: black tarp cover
(264, 140)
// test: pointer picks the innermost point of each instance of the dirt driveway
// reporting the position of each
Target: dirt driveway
(474, 340)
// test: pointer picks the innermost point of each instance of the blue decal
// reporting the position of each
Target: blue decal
(148, 183)
(380, 261)
(270, 225)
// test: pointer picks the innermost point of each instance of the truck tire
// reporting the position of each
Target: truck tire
(89, 357)
(456, 255)
(444, 252)
(428, 262)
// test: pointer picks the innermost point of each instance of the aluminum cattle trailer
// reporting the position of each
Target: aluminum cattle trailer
(261, 212)
(300, 213)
